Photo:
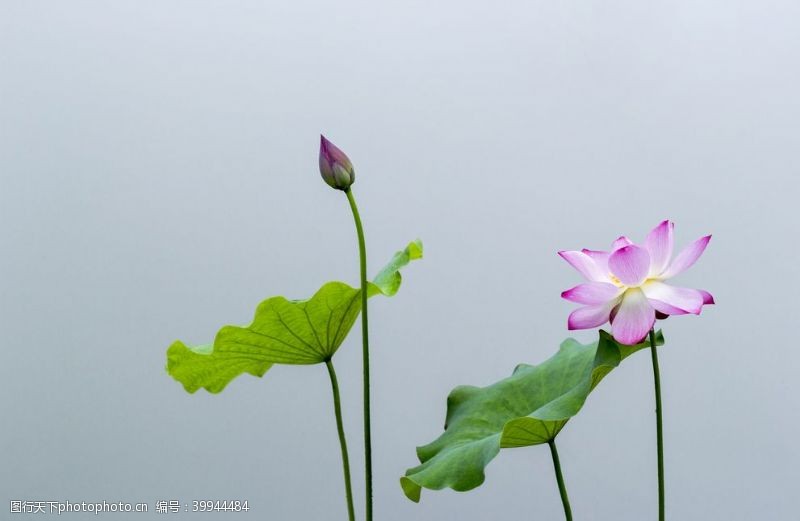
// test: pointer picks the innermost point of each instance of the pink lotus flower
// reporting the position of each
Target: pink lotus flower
(626, 285)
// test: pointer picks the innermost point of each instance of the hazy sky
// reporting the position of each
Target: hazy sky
(158, 179)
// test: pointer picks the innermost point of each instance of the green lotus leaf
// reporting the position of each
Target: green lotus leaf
(283, 332)
(530, 407)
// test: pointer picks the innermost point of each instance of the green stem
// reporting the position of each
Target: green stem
(659, 426)
(337, 407)
(362, 255)
(562, 488)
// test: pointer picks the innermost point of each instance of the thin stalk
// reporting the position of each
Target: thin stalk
(337, 407)
(362, 255)
(562, 488)
(659, 426)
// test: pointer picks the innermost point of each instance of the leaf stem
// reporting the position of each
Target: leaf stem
(337, 407)
(659, 425)
(562, 488)
(362, 255)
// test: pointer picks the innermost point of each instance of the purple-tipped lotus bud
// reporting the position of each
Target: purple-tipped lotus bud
(335, 166)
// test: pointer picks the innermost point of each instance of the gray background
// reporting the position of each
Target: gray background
(159, 179)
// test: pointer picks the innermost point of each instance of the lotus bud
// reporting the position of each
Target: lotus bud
(335, 166)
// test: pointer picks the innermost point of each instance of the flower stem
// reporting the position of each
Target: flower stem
(562, 488)
(337, 407)
(659, 426)
(362, 254)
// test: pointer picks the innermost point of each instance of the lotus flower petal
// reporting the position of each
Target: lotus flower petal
(592, 293)
(659, 244)
(599, 257)
(634, 318)
(587, 317)
(630, 264)
(620, 242)
(708, 298)
(686, 257)
(685, 299)
(585, 265)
